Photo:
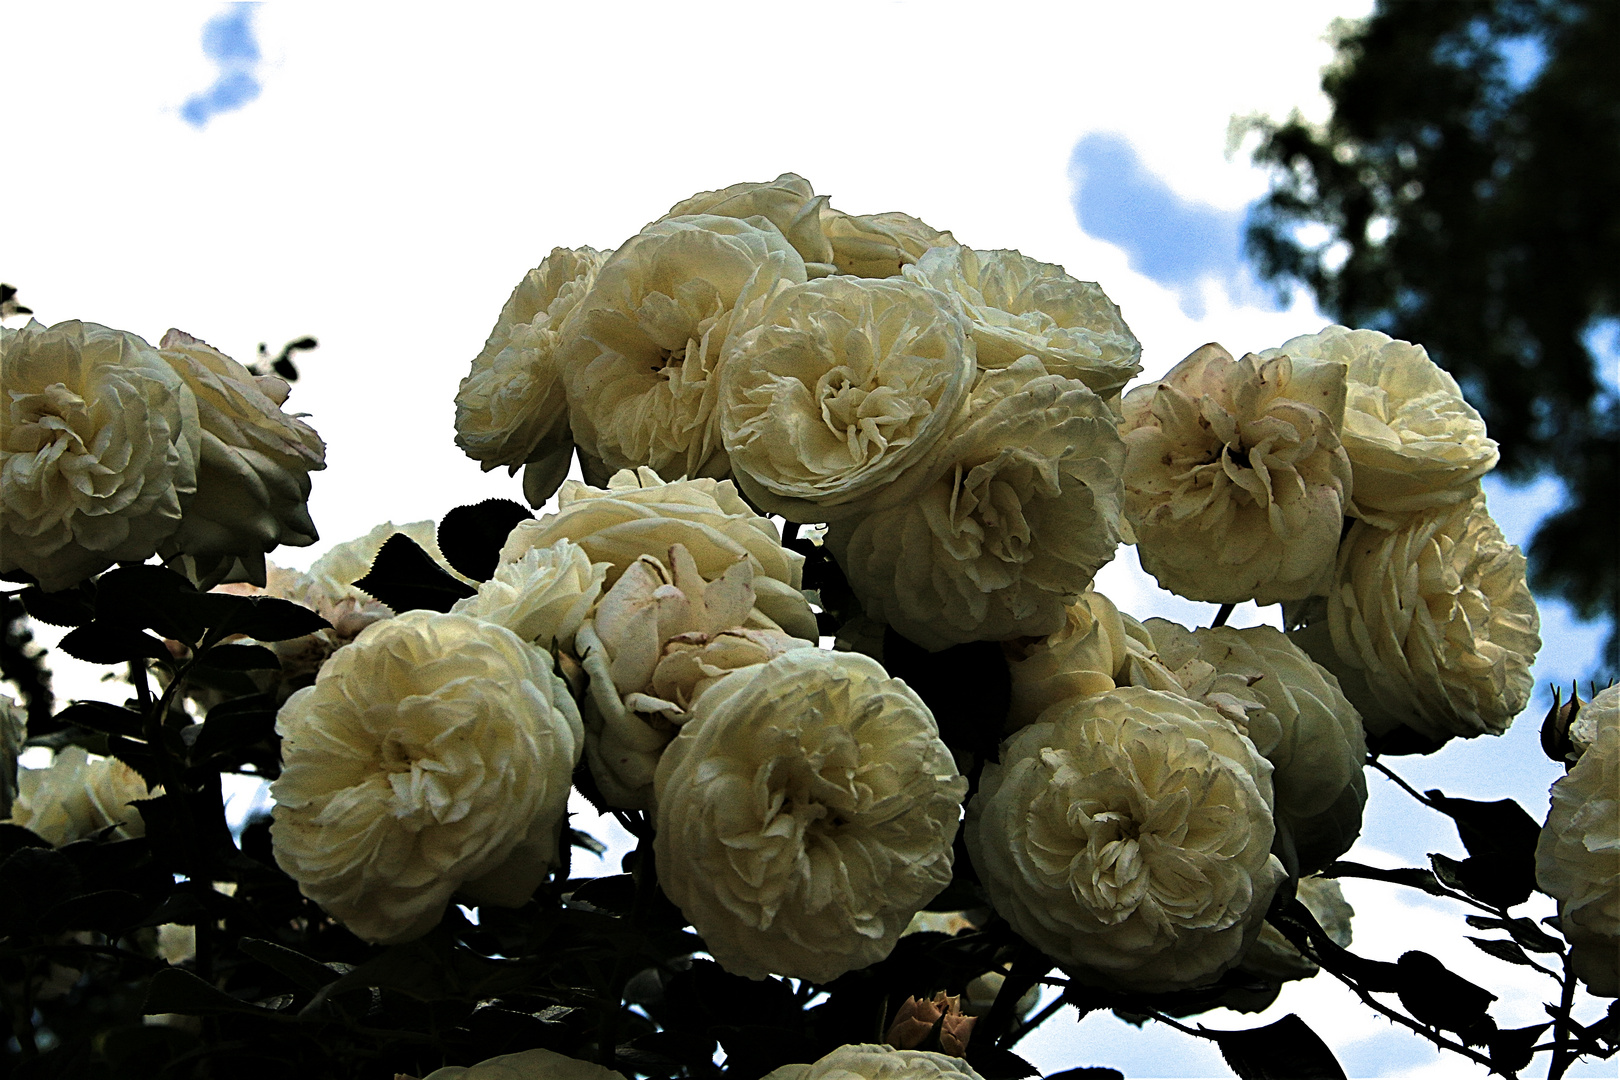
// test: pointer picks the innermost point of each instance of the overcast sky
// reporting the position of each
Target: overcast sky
(381, 178)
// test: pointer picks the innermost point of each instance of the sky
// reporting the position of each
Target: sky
(381, 179)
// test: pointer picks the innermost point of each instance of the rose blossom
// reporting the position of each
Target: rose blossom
(878, 245)
(1082, 657)
(638, 514)
(640, 354)
(832, 404)
(526, 1065)
(1235, 482)
(99, 445)
(1128, 836)
(1578, 853)
(788, 202)
(1413, 442)
(433, 755)
(1430, 626)
(875, 1061)
(1022, 509)
(805, 814)
(511, 409)
(542, 597)
(1020, 307)
(78, 795)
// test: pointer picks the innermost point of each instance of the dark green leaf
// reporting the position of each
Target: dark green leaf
(585, 840)
(1503, 950)
(1405, 875)
(222, 732)
(68, 607)
(994, 1063)
(1285, 1050)
(108, 910)
(967, 687)
(1524, 931)
(175, 991)
(1501, 841)
(101, 716)
(471, 537)
(1512, 1048)
(270, 618)
(1088, 1072)
(615, 894)
(304, 971)
(13, 837)
(1440, 998)
(148, 597)
(239, 658)
(109, 643)
(32, 882)
(138, 756)
(405, 577)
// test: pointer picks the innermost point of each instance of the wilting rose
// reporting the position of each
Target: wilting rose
(1128, 836)
(1235, 481)
(833, 403)
(1430, 626)
(788, 202)
(1020, 307)
(641, 352)
(1413, 442)
(78, 795)
(432, 756)
(638, 514)
(99, 446)
(914, 1023)
(1021, 511)
(1578, 854)
(511, 409)
(805, 814)
(875, 1061)
(878, 245)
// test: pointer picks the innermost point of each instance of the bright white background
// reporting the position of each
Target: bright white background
(398, 169)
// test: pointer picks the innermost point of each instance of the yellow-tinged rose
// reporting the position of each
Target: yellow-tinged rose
(877, 1061)
(252, 468)
(99, 448)
(1235, 481)
(638, 514)
(1430, 625)
(1413, 442)
(1083, 657)
(805, 814)
(432, 756)
(1128, 837)
(878, 245)
(788, 202)
(542, 597)
(78, 795)
(1021, 509)
(527, 1065)
(512, 409)
(641, 352)
(1020, 307)
(833, 403)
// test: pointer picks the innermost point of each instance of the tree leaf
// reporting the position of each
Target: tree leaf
(1285, 1050)
(111, 643)
(405, 577)
(101, 716)
(967, 687)
(471, 537)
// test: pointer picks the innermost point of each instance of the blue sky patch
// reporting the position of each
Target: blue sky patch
(228, 40)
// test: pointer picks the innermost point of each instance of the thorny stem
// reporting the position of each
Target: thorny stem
(1372, 759)
(646, 882)
(1222, 615)
(1561, 1055)
(1027, 969)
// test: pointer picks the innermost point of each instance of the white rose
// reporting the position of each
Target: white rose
(542, 597)
(639, 355)
(99, 446)
(1430, 625)
(660, 637)
(1080, 659)
(638, 514)
(805, 814)
(527, 1065)
(878, 245)
(511, 409)
(878, 1061)
(252, 469)
(1128, 837)
(1595, 715)
(1413, 442)
(1021, 307)
(1297, 717)
(788, 202)
(1021, 509)
(1578, 856)
(78, 795)
(833, 403)
(1235, 482)
(434, 755)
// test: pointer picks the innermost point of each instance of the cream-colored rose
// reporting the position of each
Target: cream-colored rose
(1595, 715)
(78, 795)
(1273, 958)
(527, 1065)
(1080, 659)
(879, 245)
(1578, 857)
(99, 447)
(640, 355)
(432, 756)
(542, 597)
(13, 734)
(1430, 625)
(788, 202)
(1020, 307)
(1235, 481)
(834, 403)
(252, 470)
(805, 814)
(1022, 509)
(1128, 836)
(1413, 442)
(877, 1061)
(638, 514)
(660, 637)
(1297, 717)
(511, 409)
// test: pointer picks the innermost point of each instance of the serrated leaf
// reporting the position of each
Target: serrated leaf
(138, 756)
(67, 607)
(1524, 931)
(1088, 1072)
(101, 716)
(1441, 998)
(1503, 950)
(471, 537)
(32, 882)
(406, 578)
(223, 732)
(175, 991)
(306, 971)
(149, 597)
(110, 643)
(1410, 876)
(270, 618)
(1500, 837)
(239, 658)
(1285, 1050)
(1512, 1048)
(107, 910)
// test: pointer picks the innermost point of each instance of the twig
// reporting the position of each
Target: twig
(1372, 759)
(1040, 1018)
(1561, 1056)
(1222, 614)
